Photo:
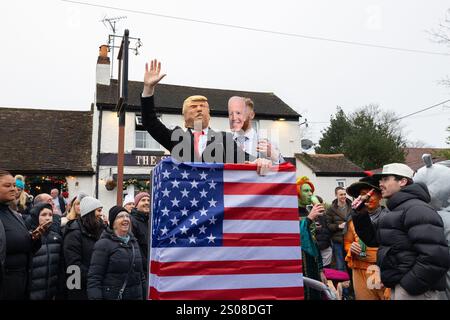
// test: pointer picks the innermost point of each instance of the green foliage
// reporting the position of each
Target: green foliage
(443, 153)
(333, 137)
(140, 185)
(446, 152)
(368, 137)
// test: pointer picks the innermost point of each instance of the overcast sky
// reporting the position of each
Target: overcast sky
(50, 47)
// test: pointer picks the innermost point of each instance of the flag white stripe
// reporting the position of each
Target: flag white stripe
(225, 254)
(260, 226)
(222, 282)
(251, 176)
(260, 201)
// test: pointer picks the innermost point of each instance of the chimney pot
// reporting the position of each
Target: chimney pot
(103, 55)
(103, 65)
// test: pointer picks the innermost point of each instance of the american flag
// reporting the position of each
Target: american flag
(221, 231)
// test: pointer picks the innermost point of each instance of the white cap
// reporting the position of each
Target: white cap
(398, 169)
(128, 199)
(89, 204)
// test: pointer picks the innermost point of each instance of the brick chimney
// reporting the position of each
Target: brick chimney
(103, 66)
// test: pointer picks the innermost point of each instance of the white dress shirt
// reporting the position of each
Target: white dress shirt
(203, 141)
(247, 141)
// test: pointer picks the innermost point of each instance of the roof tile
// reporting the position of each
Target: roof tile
(45, 141)
(329, 163)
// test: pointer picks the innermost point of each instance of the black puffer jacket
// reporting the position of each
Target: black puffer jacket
(412, 249)
(140, 229)
(109, 268)
(46, 269)
(323, 234)
(78, 247)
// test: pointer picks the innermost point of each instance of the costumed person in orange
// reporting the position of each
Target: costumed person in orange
(309, 210)
(360, 258)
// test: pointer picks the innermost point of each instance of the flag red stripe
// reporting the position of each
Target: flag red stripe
(293, 293)
(285, 167)
(252, 213)
(275, 189)
(261, 239)
(195, 268)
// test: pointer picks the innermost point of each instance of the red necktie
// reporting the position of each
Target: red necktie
(197, 135)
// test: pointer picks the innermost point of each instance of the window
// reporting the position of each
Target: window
(143, 140)
(341, 182)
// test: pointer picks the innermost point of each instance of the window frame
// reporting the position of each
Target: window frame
(344, 183)
(138, 128)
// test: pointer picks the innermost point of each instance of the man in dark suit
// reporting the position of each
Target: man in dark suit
(198, 143)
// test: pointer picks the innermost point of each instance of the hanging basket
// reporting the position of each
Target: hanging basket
(110, 184)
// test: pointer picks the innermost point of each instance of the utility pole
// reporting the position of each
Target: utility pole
(122, 103)
(122, 89)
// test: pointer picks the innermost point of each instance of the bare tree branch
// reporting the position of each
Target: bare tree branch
(442, 36)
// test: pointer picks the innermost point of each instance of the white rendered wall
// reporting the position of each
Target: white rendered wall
(77, 184)
(284, 134)
(110, 131)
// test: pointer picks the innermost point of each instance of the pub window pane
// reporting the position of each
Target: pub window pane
(145, 141)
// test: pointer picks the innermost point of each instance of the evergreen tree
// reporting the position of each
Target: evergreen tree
(368, 137)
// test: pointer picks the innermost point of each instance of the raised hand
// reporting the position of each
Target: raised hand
(317, 210)
(152, 76)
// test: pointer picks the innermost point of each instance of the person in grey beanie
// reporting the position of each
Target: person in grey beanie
(79, 240)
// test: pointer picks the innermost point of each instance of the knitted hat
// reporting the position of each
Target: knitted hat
(89, 204)
(113, 212)
(81, 195)
(128, 199)
(139, 197)
(20, 184)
